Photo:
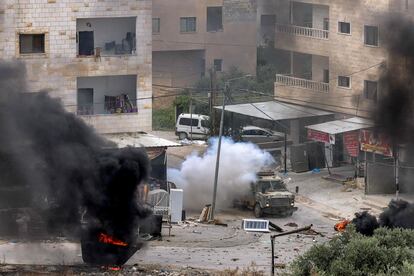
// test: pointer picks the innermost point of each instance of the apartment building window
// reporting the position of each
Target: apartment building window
(371, 90)
(32, 43)
(188, 24)
(344, 81)
(371, 35)
(156, 25)
(218, 65)
(344, 27)
(214, 19)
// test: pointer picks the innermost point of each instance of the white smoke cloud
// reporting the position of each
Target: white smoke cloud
(239, 164)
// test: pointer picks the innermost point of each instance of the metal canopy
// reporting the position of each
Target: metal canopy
(139, 139)
(341, 126)
(273, 110)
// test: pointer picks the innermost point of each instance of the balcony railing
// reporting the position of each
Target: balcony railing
(302, 31)
(302, 83)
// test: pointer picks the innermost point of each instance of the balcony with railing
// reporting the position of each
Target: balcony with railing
(285, 80)
(302, 31)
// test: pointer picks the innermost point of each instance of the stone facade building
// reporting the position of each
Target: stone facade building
(190, 37)
(331, 52)
(94, 55)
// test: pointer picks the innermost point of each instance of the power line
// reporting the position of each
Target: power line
(205, 43)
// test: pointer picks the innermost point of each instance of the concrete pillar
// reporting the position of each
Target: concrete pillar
(294, 131)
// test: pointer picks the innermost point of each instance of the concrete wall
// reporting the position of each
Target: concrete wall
(58, 69)
(319, 64)
(347, 54)
(177, 68)
(235, 44)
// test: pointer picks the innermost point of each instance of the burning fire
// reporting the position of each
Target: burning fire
(341, 226)
(104, 238)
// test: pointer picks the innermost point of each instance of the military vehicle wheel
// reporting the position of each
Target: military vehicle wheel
(182, 135)
(258, 211)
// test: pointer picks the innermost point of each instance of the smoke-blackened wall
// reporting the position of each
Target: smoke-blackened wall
(59, 163)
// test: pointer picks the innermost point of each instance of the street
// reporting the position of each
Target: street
(320, 202)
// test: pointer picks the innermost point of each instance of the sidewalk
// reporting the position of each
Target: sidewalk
(335, 200)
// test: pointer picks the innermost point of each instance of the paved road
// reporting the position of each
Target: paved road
(196, 245)
(216, 247)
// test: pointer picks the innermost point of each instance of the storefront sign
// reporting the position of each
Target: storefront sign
(376, 143)
(351, 143)
(318, 136)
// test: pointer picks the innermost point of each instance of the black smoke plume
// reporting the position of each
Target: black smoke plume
(399, 214)
(55, 166)
(393, 115)
(365, 223)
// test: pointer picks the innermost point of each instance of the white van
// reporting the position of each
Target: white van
(200, 126)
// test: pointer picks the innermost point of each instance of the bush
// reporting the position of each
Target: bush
(387, 252)
(163, 119)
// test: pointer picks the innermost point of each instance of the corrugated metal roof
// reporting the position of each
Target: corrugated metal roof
(273, 110)
(341, 126)
(139, 139)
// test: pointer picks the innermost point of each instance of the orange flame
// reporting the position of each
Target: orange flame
(341, 226)
(104, 238)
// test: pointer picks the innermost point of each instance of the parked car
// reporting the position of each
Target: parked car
(259, 135)
(196, 124)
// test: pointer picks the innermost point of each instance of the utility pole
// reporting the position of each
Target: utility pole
(213, 205)
(212, 100)
(285, 152)
(191, 115)
(225, 95)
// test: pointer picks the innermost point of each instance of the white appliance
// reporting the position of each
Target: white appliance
(176, 205)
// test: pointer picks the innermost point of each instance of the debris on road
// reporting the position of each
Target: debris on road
(291, 224)
(312, 232)
(274, 227)
(205, 214)
(280, 265)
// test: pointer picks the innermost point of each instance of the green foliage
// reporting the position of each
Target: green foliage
(163, 119)
(266, 77)
(387, 252)
(182, 102)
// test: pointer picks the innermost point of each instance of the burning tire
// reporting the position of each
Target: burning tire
(99, 248)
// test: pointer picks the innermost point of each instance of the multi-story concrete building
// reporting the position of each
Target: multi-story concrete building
(332, 52)
(93, 55)
(190, 37)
